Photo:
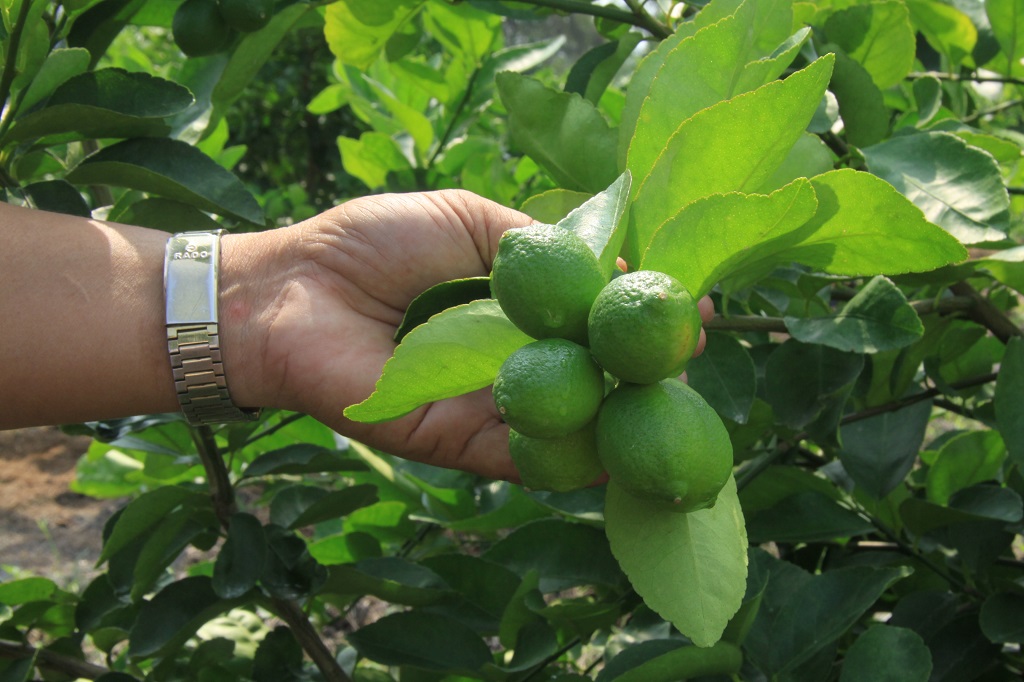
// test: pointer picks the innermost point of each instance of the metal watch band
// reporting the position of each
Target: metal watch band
(191, 272)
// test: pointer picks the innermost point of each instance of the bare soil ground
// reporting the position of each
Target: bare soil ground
(45, 529)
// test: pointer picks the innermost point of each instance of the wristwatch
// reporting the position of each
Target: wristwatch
(191, 270)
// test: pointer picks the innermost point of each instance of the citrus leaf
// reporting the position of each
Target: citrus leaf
(561, 131)
(732, 232)
(146, 511)
(439, 298)
(968, 458)
(105, 103)
(884, 653)
(812, 610)
(724, 374)
(861, 106)
(61, 65)
(301, 458)
(553, 205)
(240, 561)
(879, 37)
(457, 351)
(947, 29)
(424, 640)
(357, 31)
(167, 620)
(1002, 618)
(394, 579)
(877, 319)
(684, 662)
(172, 169)
(597, 221)
(734, 145)
(699, 579)
(1007, 19)
(800, 377)
(707, 68)
(879, 452)
(1009, 399)
(957, 186)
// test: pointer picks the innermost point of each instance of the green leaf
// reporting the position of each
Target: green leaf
(879, 37)
(1002, 618)
(290, 572)
(956, 186)
(463, 30)
(423, 640)
(928, 97)
(457, 351)
(553, 205)
(278, 658)
(1009, 400)
(372, 157)
(965, 459)
(879, 452)
(806, 517)
(57, 196)
(1007, 20)
(592, 73)
(812, 610)
(61, 65)
(682, 663)
(301, 458)
(707, 68)
(877, 319)
(358, 31)
(167, 620)
(733, 233)
(164, 543)
(390, 578)
(809, 157)
(144, 512)
(564, 133)
(725, 376)
(105, 103)
(345, 548)
(251, 53)
(861, 106)
(732, 146)
(172, 169)
(946, 28)
(484, 583)
(563, 554)
(884, 653)
(25, 590)
(597, 221)
(439, 298)
(699, 579)
(303, 505)
(801, 377)
(240, 561)
(863, 226)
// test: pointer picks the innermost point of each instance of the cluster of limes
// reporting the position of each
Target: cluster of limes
(205, 27)
(598, 390)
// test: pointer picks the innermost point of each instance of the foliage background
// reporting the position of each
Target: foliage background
(878, 423)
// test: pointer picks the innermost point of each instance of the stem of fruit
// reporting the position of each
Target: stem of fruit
(287, 610)
(51, 660)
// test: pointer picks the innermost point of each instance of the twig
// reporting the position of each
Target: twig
(551, 659)
(463, 101)
(656, 28)
(216, 474)
(74, 667)
(290, 419)
(970, 78)
(986, 314)
(916, 398)
(1009, 104)
(309, 640)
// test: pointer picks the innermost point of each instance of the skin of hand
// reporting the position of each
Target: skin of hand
(315, 332)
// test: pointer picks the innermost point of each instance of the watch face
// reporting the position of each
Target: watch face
(190, 278)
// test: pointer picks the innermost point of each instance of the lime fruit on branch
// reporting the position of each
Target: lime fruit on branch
(548, 388)
(545, 279)
(644, 327)
(557, 464)
(663, 442)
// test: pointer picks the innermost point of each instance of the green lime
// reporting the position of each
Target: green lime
(644, 327)
(247, 15)
(549, 388)
(545, 279)
(664, 442)
(199, 28)
(557, 464)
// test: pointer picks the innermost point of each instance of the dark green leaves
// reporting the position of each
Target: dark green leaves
(1009, 400)
(106, 103)
(423, 640)
(879, 452)
(172, 169)
(884, 653)
(240, 561)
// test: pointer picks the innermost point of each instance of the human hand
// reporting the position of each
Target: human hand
(315, 330)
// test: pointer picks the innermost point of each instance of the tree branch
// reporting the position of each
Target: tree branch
(986, 314)
(644, 21)
(74, 667)
(970, 78)
(221, 491)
